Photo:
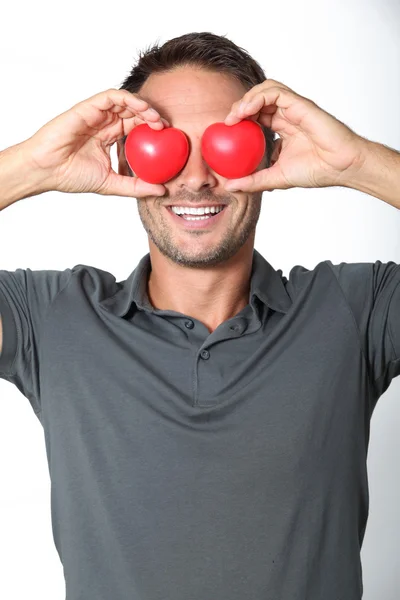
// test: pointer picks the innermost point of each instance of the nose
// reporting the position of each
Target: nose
(196, 174)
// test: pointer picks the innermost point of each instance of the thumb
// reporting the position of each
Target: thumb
(123, 185)
(265, 180)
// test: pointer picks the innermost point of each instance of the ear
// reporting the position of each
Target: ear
(276, 151)
(123, 167)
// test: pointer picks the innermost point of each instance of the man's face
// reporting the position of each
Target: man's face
(191, 100)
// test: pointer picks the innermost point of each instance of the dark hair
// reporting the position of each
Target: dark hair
(204, 50)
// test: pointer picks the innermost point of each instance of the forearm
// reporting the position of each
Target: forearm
(379, 173)
(18, 178)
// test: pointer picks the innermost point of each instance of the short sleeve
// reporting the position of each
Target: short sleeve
(25, 297)
(373, 293)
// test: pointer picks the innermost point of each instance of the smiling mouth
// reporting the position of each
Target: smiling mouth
(197, 222)
(204, 217)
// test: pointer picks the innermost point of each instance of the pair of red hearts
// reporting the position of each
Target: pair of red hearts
(233, 151)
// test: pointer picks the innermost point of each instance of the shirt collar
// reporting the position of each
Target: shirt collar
(266, 283)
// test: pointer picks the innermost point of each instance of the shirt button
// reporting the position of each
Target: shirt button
(189, 324)
(205, 354)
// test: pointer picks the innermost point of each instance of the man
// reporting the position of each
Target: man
(206, 420)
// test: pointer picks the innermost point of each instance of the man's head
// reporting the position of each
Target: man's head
(193, 81)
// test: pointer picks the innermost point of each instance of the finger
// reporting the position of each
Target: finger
(145, 114)
(260, 181)
(130, 124)
(122, 185)
(244, 111)
(265, 119)
(136, 120)
(122, 102)
(155, 121)
(157, 125)
(149, 114)
(264, 87)
(277, 97)
(109, 99)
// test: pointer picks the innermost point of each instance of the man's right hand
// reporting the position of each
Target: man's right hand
(73, 149)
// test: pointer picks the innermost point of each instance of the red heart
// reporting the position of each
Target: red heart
(233, 151)
(156, 155)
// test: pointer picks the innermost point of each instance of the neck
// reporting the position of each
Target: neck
(211, 295)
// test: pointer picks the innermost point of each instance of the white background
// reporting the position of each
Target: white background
(344, 55)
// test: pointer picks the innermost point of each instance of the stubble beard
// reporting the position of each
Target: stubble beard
(160, 232)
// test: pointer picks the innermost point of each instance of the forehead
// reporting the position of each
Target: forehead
(188, 92)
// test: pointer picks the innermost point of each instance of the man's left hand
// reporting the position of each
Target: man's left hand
(314, 148)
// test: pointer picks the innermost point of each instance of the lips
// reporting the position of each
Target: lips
(196, 223)
(196, 205)
(197, 215)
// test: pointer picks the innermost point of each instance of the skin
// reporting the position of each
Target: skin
(206, 273)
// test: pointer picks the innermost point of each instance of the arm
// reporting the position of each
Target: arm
(18, 178)
(379, 173)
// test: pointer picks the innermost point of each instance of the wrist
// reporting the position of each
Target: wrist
(376, 172)
(19, 176)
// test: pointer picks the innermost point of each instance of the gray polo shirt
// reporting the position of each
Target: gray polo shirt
(189, 465)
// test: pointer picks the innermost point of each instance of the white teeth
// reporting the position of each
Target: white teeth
(179, 210)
